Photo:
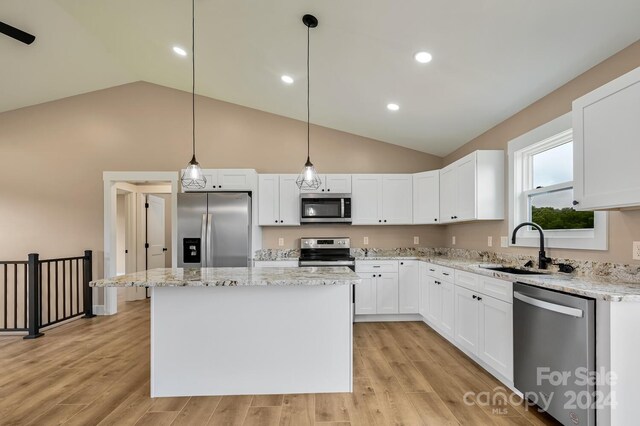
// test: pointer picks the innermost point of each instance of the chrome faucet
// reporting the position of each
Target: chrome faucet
(543, 260)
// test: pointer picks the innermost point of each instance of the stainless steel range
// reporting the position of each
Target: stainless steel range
(326, 252)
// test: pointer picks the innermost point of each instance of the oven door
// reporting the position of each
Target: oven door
(325, 208)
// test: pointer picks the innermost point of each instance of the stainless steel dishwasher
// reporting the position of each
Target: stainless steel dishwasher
(554, 352)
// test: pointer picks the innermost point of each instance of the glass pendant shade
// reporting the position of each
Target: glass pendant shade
(308, 178)
(192, 178)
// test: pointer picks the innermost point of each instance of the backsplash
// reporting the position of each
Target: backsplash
(583, 268)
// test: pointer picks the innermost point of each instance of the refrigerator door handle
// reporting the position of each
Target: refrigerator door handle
(203, 241)
(209, 241)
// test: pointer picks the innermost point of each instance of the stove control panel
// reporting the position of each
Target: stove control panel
(320, 243)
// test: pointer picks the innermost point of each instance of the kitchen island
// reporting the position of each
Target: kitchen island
(237, 331)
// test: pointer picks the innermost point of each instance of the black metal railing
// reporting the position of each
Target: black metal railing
(40, 293)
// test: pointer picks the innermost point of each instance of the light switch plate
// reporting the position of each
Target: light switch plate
(636, 250)
(489, 241)
(281, 242)
(416, 240)
(453, 240)
(366, 241)
(504, 241)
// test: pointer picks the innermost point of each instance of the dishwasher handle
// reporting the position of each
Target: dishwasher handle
(561, 309)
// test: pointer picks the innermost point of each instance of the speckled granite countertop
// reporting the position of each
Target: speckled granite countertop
(232, 277)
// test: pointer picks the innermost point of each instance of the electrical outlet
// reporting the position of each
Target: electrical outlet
(636, 250)
(453, 240)
(281, 242)
(366, 241)
(489, 241)
(504, 241)
(416, 240)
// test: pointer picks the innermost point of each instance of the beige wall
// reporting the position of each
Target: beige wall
(624, 227)
(52, 157)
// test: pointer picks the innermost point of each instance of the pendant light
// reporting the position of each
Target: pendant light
(192, 178)
(308, 178)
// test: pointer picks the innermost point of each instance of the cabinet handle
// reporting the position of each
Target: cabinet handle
(323, 190)
(276, 221)
(379, 275)
(474, 296)
(451, 217)
(435, 220)
(281, 221)
(379, 220)
(385, 220)
(220, 186)
(479, 298)
(374, 275)
(402, 263)
(328, 190)
(438, 282)
(576, 202)
(432, 270)
(445, 273)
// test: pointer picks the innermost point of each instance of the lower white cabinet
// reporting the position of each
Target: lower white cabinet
(448, 308)
(409, 287)
(466, 322)
(366, 294)
(439, 305)
(387, 293)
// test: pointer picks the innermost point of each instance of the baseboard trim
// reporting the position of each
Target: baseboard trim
(98, 309)
(388, 318)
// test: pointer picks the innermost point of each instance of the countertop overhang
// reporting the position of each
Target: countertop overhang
(232, 277)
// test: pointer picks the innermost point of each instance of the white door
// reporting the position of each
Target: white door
(338, 183)
(156, 250)
(366, 199)
(235, 180)
(386, 293)
(448, 194)
(268, 200)
(434, 301)
(466, 202)
(366, 294)
(426, 197)
(409, 287)
(448, 308)
(289, 200)
(495, 341)
(397, 199)
(321, 188)
(466, 319)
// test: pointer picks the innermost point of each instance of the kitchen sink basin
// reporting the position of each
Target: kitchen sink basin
(510, 270)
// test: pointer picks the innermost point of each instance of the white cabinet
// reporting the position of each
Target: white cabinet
(278, 200)
(340, 184)
(606, 145)
(440, 308)
(466, 323)
(379, 291)
(387, 293)
(426, 197)
(472, 188)
(409, 287)
(382, 199)
(434, 301)
(366, 294)
(424, 289)
(447, 324)
(228, 180)
(495, 339)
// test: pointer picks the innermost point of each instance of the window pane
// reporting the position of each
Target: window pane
(553, 210)
(553, 166)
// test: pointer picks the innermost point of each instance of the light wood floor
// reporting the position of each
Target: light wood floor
(97, 372)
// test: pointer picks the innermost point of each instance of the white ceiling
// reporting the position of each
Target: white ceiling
(491, 57)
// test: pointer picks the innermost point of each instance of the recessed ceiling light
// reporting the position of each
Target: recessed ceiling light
(423, 57)
(179, 51)
(286, 79)
(393, 107)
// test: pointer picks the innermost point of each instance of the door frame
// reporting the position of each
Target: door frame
(111, 180)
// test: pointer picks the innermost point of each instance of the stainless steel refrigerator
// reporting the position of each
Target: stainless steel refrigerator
(214, 229)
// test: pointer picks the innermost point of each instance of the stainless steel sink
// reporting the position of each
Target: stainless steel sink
(510, 270)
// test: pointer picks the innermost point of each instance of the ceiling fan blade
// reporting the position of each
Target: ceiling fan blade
(19, 35)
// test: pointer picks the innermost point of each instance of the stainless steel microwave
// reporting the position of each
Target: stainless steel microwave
(325, 208)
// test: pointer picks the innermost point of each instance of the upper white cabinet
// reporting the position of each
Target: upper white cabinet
(426, 197)
(340, 184)
(228, 180)
(606, 145)
(472, 188)
(382, 199)
(278, 200)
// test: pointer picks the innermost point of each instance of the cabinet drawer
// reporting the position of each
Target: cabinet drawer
(467, 280)
(446, 274)
(432, 270)
(500, 289)
(379, 266)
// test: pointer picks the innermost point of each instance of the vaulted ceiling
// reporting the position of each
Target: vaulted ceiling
(491, 58)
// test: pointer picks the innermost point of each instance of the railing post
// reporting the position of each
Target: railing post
(87, 275)
(33, 294)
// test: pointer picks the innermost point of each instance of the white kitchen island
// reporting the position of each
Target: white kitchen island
(237, 331)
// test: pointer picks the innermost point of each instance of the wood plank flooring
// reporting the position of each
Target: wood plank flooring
(96, 372)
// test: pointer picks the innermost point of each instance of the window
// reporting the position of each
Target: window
(541, 190)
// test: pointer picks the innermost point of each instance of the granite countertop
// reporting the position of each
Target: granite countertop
(232, 277)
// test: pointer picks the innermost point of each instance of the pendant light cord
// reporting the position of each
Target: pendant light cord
(193, 76)
(308, 91)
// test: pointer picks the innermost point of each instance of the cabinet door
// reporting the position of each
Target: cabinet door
(434, 300)
(466, 189)
(409, 287)
(289, 200)
(426, 197)
(268, 200)
(340, 184)
(235, 180)
(448, 194)
(366, 199)
(466, 319)
(387, 293)
(424, 289)
(448, 308)
(397, 199)
(316, 191)
(495, 342)
(366, 294)
(606, 132)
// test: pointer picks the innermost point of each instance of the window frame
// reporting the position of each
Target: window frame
(520, 156)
